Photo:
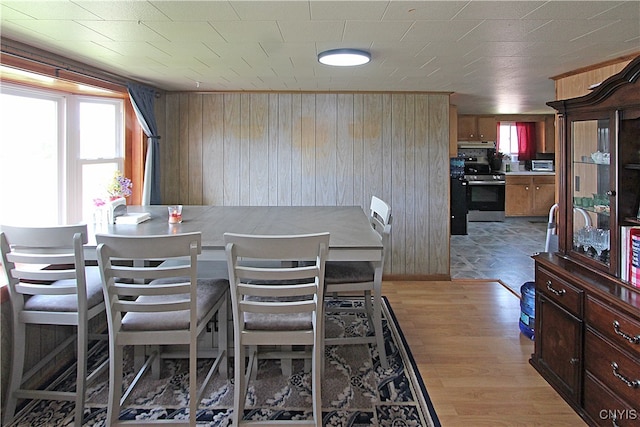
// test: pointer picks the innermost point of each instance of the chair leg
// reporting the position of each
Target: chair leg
(377, 324)
(81, 376)
(193, 383)
(316, 385)
(17, 368)
(239, 387)
(223, 340)
(115, 382)
(286, 364)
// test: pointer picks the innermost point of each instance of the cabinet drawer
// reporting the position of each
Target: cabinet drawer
(544, 179)
(615, 369)
(518, 180)
(559, 291)
(620, 329)
(604, 408)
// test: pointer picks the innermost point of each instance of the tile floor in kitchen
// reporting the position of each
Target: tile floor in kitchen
(499, 250)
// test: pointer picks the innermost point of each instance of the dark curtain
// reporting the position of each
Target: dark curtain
(526, 140)
(143, 100)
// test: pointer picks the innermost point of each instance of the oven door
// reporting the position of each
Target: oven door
(485, 200)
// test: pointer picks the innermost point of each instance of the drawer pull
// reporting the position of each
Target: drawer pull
(627, 381)
(632, 340)
(555, 291)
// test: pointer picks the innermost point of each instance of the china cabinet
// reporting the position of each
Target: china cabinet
(587, 330)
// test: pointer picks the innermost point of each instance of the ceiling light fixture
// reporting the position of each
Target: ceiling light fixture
(344, 57)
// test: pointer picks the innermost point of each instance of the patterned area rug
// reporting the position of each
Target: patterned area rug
(356, 390)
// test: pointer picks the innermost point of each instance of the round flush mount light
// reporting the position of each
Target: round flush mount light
(344, 57)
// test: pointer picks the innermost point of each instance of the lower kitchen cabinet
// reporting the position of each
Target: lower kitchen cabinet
(587, 340)
(529, 195)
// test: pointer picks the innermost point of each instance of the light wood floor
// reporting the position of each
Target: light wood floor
(466, 342)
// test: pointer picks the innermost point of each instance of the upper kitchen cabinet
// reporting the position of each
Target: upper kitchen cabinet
(600, 169)
(477, 128)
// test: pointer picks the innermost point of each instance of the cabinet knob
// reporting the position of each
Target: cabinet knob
(526, 188)
(537, 188)
(611, 193)
(574, 361)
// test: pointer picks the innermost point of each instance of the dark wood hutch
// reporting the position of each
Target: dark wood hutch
(587, 326)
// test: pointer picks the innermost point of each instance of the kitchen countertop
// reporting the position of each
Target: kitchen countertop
(529, 173)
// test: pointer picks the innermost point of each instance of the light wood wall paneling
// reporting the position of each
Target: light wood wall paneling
(326, 125)
(358, 152)
(170, 149)
(344, 149)
(421, 192)
(194, 159)
(245, 159)
(212, 149)
(404, 193)
(296, 150)
(398, 177)
(438, 178)
(308, 149)
(232, 147)
(183, 153)
(284, 149)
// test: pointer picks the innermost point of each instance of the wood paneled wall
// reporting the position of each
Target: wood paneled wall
(288, 149)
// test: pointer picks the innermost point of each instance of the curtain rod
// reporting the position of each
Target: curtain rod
(59, 63)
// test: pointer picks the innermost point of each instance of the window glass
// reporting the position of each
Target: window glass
(29, 173)
(508, 138)
(98, 129)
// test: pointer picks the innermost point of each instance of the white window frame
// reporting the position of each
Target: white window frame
(69, 163)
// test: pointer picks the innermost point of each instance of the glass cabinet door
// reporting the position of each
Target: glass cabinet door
(591, 190)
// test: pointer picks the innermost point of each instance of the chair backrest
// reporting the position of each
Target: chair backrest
(128, 271)
(26, 251)
(275, 288)
(380, 219)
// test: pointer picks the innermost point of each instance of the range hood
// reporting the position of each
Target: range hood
(476, 144)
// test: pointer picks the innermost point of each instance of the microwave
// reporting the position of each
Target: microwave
(542, 165)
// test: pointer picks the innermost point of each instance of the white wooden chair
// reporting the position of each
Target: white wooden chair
(153, 305)
(363, 277)
(49, 285)
(276, 304)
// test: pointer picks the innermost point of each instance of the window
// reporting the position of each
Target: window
(59, 151)
(508, 139)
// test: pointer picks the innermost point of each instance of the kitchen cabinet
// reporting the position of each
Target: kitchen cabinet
(588, 317)
(477, 128)
(529, 195)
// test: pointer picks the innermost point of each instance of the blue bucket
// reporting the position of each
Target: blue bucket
(528, 309)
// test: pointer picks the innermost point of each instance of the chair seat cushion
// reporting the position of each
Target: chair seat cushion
(337, 272)
(209, 293)
(277, 322)
(69, 303)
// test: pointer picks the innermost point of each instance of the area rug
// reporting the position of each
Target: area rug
(356, 390)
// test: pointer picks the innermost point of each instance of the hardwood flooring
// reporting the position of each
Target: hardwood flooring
(465, 339)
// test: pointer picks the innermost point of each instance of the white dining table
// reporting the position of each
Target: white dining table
(351, 235)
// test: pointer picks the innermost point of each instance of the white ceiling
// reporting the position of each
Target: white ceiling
(495, 56)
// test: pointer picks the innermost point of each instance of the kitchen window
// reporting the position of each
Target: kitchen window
(58, 152)
(508, 138)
